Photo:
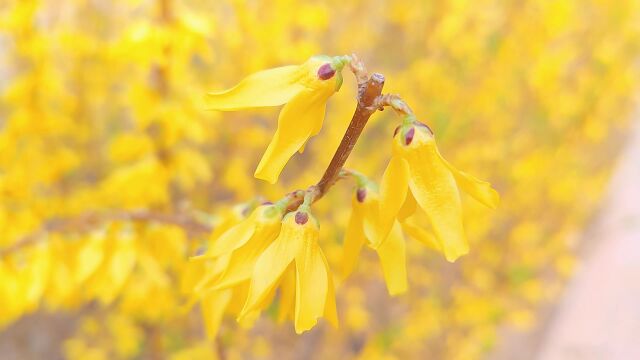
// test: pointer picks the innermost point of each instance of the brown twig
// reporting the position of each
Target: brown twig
(369, 100)
(369, 89)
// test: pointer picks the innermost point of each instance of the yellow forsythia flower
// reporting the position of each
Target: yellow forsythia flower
(235, 252)
(363, 227)
(417, 165)
(314, 292)
(304, 89)
(245, 242)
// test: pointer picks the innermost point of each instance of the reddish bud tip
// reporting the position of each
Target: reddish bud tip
(361, 194)
(267, 203)
(326, 72)
(301, 218)
(395, 132)
(408, 137)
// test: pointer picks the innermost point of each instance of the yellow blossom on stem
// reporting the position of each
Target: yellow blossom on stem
(234, 253)
(363, 227)
(304, 89)
(295, 250)
(417, 165)
(242, 244)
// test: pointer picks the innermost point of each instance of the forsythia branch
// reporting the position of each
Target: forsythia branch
(369, 92)
(367, 95)
(370, 99)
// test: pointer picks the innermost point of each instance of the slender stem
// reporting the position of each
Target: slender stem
(367, 95)
(396, 102)
(369, 100)
(359, 178)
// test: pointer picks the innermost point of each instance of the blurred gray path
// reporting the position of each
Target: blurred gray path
(599, 315)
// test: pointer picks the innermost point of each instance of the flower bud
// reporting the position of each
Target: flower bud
(301, 217)
(408, 136)
(326, 72)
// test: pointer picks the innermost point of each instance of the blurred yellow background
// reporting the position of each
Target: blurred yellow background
(101, 111)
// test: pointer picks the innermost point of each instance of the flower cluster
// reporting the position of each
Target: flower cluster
(304, 89)
(277, 245)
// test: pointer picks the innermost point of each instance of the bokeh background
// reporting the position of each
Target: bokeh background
(101, 115)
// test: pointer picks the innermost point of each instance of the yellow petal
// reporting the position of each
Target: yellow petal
(225, 220)
(296, 123)
(418, 233)
(311, 285)
(435, 190)
(408, 208)
(214, 305)
(287, 294)
(271, 87)
(330, 309)
(242, 260)
(371, 216)
(273, 262)
(248, 319)
(212, 273)
(267, 220)
(315, 131)
(237, 299)
(478, 189)
(393, 191)
(353, 239)
(231, 239)
(392, 255)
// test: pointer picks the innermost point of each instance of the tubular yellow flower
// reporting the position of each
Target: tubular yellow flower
(234, 252)
(297, 244)
(364, 226)
(417, 164)
(243, 243)
(304, 89)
